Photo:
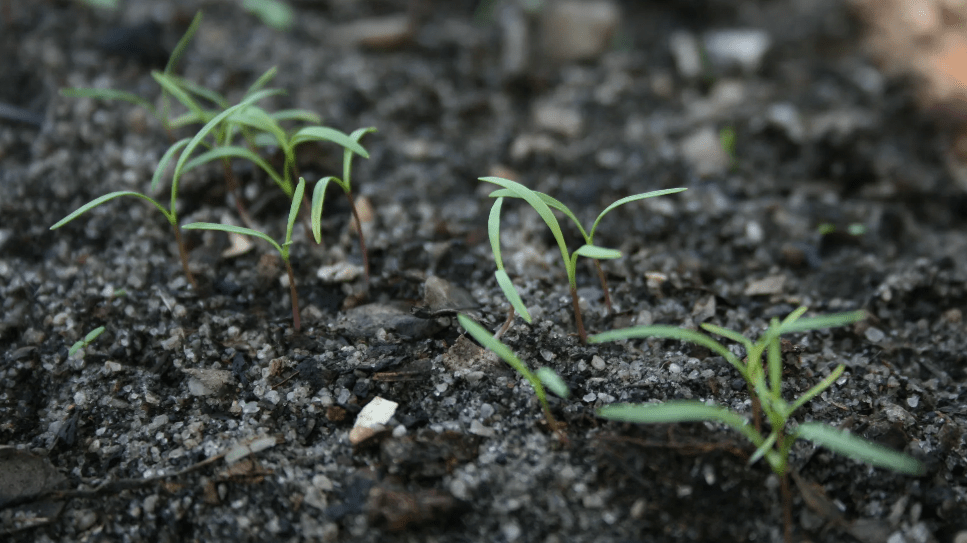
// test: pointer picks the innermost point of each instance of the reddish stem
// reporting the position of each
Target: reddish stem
(233, 190)
(184, 257)
(506, 326)
(578, 320)
(786, 508)
(604, 286)
(756, 409)
(362, 239)
(294, 294)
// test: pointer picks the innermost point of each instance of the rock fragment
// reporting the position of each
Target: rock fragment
(578, 30)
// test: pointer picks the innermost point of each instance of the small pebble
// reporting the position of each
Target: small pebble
(597, 362)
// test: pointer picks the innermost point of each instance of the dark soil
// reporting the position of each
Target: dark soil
(467, 455)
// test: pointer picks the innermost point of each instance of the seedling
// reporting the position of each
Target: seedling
(542, 203)
(163, 114)
(83, 343)
(319, 192)
(184, 146)
(765, 384)
(538, 380)
(283, 248)
(503, 279)
(588, 235)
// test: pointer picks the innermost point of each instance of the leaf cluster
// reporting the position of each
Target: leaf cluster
(544, 205)
(762, 372)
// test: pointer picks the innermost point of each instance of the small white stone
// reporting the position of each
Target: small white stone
(913, 401)
(742, 47)
(477, 428)
(376, 413)
(339, 273)
(685, 50)
(597, 362)
(874, 335)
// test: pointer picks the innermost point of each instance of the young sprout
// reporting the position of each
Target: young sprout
(765, 384)
(163, 114)
(83, 343)
(588, 235)
(184, 147)
(283, 248)
(544, 377)
(319, 192)
(543, 203)
(503, 280)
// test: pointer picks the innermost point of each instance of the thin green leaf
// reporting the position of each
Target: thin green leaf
(680, 411)
(110, 94)
(171, 87)
(628, 199)
(303, 115)
(300, 190)
(551, 202)
(182, 44)
(212, 124)
(763, 449)
(483, 337)
(816, 389)
(510, 292)
(234, 151)
(347, 155)
(262, 139)
(794, 316)
(199, 90)
(262, 81)
(324, 133)
(553, 382)
(78, 345)
(493, 232)
(165, 160)
(190, 117)
(823, 321)
(275, 13)
(599, 253)
(257, 118)
(670, 332)
(233, 229)
(542, 209)
(110, 196)
(728, 334)
(318, 198)
(858, 448)
(774, 358)
(92, 335)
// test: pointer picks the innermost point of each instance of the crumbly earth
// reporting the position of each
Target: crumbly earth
(823, 142)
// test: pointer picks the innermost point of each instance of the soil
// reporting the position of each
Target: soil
(824, 141)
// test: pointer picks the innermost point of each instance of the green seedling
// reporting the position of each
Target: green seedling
(274, 13)
(543, 377)
(728, 139)
(319, 192)
(184, 146)
(283, 248)
(542, 203)
(83, 343)
(162, 114)
(202, 106)
(765, 384)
